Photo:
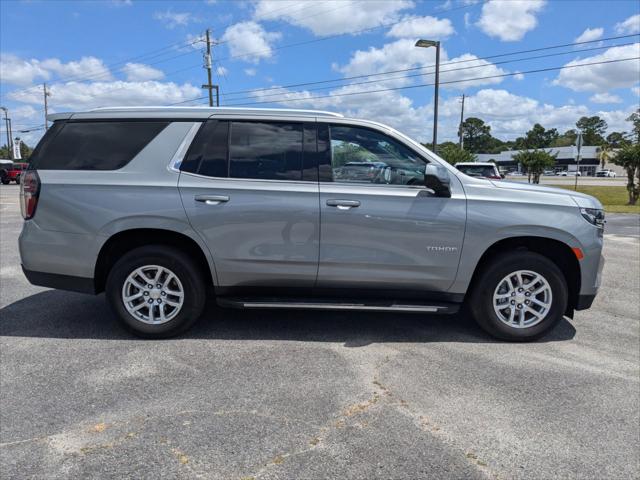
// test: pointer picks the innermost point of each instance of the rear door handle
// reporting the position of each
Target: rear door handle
(212, 199)
(343, 204)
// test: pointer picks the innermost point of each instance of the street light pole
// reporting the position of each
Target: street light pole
(426, 44)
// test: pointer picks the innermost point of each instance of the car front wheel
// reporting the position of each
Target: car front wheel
(519, 296)
(156, 291)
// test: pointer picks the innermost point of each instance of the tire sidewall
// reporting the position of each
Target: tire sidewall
(181, 265)
(482, 302)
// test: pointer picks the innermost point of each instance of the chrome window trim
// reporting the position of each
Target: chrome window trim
(178, 157)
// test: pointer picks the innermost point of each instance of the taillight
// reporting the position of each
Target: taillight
(29, 192)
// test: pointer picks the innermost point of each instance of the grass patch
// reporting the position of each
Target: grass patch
(614, 198)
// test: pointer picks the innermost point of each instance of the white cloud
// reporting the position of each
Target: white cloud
(16, 71)
(467, 20)
(332, 16)
(518, 76)
(415, 27)
(630, 25)
(221, 70)
(250, 72)
(139, 72)
(250, 41)
(636, 91)
(601, 78)
(509, 21)
(82, 96)
(605, 97)
(402, 54)
(468, 66)
(172, 19)
(590, 34)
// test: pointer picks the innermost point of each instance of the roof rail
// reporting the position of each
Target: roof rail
(257, 111)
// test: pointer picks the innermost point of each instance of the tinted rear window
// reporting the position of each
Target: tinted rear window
(95, 145)
(208, 152)
(269, 151)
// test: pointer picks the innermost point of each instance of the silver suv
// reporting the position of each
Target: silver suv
(158, 207)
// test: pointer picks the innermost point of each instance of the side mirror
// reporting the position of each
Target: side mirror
(436, 178)
(502, 175)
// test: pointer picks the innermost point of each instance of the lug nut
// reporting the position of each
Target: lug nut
(527, 302)
(520, 289)
(528, 294)
(513, 302)
(163, 293)
(149, 286)
(519, 305)
(159, 301)
(150, 301)
(158, 286)
(146, 294)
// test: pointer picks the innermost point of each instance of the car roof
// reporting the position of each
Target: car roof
(478, 164)
(187, 112)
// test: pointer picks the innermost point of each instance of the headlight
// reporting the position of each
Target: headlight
(594, 216)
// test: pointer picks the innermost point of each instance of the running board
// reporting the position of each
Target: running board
(392, 306)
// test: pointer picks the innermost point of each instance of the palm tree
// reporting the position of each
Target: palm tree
(604, 154)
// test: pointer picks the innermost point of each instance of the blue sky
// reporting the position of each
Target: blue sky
(102, 53)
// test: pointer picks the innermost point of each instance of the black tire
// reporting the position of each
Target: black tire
(5, 181)
(481, 297)
(17, 179)
(190, 276)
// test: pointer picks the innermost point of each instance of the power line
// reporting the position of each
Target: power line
(388, 72)
(484, 65)
(510, 74)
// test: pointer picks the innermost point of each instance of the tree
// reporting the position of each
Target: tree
(617, 140)
(593, 129)
(535, 162)
(539, 137)
(567, 139)
(604, 154)
(476, 135)
(634, 118)
(453, 154)
(628, 157)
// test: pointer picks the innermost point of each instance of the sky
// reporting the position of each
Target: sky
(275, 53)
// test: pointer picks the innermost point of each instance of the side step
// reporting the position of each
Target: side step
(339, 304)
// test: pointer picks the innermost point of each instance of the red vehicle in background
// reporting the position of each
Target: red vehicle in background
(12, 173)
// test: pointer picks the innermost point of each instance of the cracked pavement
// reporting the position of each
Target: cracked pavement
(290, 394)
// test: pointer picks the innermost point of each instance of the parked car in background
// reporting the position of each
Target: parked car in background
(565, 173)
(606, 173)
(14, 172)
(478, 169)
(161, 207)
(515, 173)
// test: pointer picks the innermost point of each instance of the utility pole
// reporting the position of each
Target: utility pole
(46, 106)
(461, 141)
(8, 131)
(208, 62)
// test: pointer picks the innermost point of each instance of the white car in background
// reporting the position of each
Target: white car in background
(570, 174)
(606, 173)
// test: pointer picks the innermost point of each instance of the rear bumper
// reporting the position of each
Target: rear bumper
(60, 282)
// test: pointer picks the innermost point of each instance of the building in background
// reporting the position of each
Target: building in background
(565, 160)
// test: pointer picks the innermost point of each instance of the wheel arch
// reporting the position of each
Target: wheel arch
(555, 250)
(120, 243)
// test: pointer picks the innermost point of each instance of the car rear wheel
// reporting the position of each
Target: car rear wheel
(519, 296)
(156, 291)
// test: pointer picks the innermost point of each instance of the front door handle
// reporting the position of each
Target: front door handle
(212, 199)
(343, 204)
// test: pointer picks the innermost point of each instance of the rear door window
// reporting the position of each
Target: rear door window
(108, 145)
(266, 150)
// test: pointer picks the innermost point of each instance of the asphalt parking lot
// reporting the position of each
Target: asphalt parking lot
(290, 394)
